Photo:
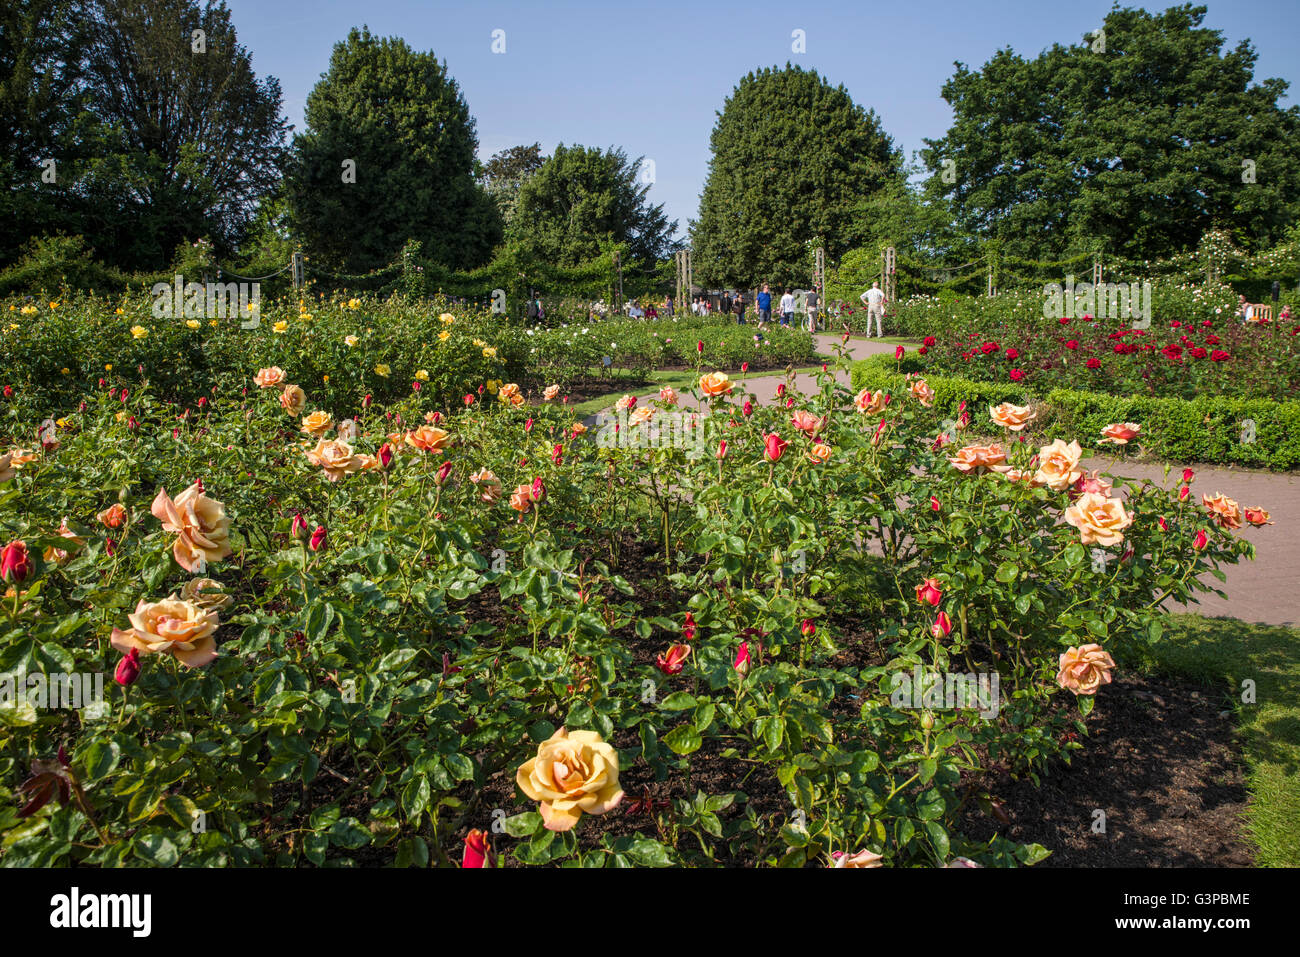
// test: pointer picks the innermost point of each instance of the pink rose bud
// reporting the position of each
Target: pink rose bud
(1161, 522)
(722, 450)
(128, 669)
(539, 489)
(528, 426)
(443, 471)
(741, 664)
(299, 527)
(1188, 474)
(318, 538)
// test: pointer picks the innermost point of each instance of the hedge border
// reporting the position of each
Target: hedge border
(1206, 430)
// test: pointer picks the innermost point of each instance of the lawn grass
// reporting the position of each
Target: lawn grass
(1224, 652)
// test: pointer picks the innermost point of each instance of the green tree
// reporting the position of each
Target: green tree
(1131, 143)
(504, 175)
(185, 139)
(401, 121)
(794, 159)
(584, 200)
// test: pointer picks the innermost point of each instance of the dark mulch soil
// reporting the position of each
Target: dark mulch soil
(1163, 766)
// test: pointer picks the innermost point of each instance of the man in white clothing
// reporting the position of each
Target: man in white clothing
(874, 300)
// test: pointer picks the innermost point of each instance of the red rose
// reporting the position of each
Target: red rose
(929, 592)
(1013, 353)
(1094, 363)
(1218, 355)
(128, 669)
(1017, 375)
(15, 564)
(773, 447)
(1072, 344)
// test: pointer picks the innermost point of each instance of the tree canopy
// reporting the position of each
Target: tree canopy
(1133, 143)
(398, 121)
(583, 200)
(794, 160)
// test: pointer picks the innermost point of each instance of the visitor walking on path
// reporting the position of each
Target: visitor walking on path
(764, 307)
(874, 300)
(738, 307)
(724, 304)
(787, 307)
(811, 302)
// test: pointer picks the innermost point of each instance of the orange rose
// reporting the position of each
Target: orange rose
(58, 556)
(510, 394)
(201, 523)
(1058, 465)
(170, 627)
(113, 516)
(428, 439)
(267, 378)
(805, 421)
(550, 392)
(1224, 511)
(521, 499)
(1257, 516)
(668, 395)
(1100, 520)
(640, 415)
(972, 458)
(293, 400)
(1084, 669)
(335, 457)
(921, 392)
(1013, 417)
(819, 454)
(489, 486)
(715, 384)
(318, 423)
(578, 428)
(861, 859)
(1120, 433)
(870, 403)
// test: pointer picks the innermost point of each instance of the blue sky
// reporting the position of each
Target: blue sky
(650, 76)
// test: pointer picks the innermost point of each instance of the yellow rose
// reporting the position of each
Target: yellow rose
(350, 341)
(170, 627)
(193, 323)
(382, 370)
(490, 352)
(447, 318)
(1100, 520)
(444, 335)
(715, 384)
(139, 332)
(201, 523)
(1058, 465)
(280, 326)
(318, 423)
(1013, 417)
(574, 773)
(422, 375)
(335, 457)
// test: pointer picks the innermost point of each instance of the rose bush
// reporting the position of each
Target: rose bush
(655, 651)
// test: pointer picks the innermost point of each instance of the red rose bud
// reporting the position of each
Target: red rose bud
(807, 628)
(299, 527)
(699, 347)
(478, 850)
(386, 455)
(942, 625)
(539, 489)
(469, 399)
(1161, 522)
(557, 454)
(102, 383)
(747, 408)
(722, 450)
(435, 418)
(443, 471)
(128, 669)
(741, 664)
(109, 548)
(688, 629)
(365, 403)
(934, 504)
(9, 392)
(1188, 475)
(1201, 540)
(125, 393)
(528, 426)
(318, 538)
(203, 400)
(773, 447)
(15, 564)
(780, 389)
(929, 592)
(1183, 493)
(131, 423)
(415, 385)
(744, 367)
(789, 403)
(898, 353)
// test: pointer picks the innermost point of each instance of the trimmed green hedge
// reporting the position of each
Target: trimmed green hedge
(1207, 429)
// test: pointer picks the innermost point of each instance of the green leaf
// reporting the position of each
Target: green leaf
(684, 739)
(523, 825)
